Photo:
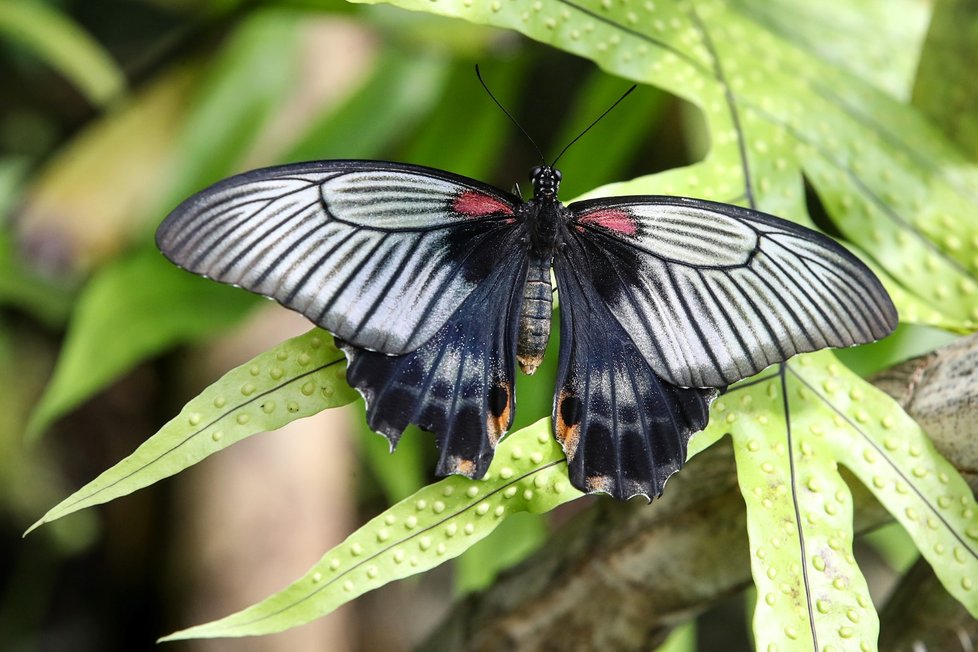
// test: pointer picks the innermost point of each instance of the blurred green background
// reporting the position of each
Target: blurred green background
(111, 111)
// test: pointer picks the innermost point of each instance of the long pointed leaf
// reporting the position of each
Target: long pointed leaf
(296, 379)
(437, 523)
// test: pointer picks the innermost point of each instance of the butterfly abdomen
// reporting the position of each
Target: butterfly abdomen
(535, 315)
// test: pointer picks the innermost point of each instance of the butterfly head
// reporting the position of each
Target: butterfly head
(546, 181)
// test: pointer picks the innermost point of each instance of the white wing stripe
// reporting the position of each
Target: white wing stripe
(282, 256)
(232, 226)
(210, 216)
(371, 251)
(676, 231)
(244, 244)
(713, 293)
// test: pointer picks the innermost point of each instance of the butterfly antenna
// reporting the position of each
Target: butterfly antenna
(596, 121)
(508, 114)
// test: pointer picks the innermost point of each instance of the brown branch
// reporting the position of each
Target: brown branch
(619, 576)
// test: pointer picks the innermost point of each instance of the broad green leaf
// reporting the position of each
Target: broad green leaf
(877, 41)
(132, 309)
(13, 169)
(296, 379)
(437, 523)
(19, 286)
(401, 89)
(945, 90)
(892, 544)
(682, 639)
(789, 438)
(99, 191)
(250, 77)
(893, 185)
(422, 30)
(612, 145)
(65, 46)
(398, 473)
(464, 108)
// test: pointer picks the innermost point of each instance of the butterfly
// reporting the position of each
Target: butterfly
(437, 287)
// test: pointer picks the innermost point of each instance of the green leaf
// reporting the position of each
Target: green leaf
(682, 639)
(296, 379)
(131, 310)
(945, 90)
(877, 41)
(401, 90)
(401, 472)
(462, 108)
(616, 141)
(19, 286)
(437, 523)
(247, 82)
(65, 46)
(891, 183)
(513, 541)
(790, 434)
(892, 544)
(97, 194)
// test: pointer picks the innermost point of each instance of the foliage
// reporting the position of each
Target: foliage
(66, 47)
(783, 105)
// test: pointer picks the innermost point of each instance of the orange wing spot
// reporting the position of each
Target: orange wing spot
(461, 466)
(568, 434)
(500, 411)
(598, 483)
(613, 219)
(476, 204)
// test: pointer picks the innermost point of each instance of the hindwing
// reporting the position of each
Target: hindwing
(460, 383)
(623, 428)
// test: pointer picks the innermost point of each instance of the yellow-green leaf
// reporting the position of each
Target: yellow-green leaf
(296, 379)
(437, 523)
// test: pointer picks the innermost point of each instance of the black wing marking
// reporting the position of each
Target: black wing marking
(711, 293)
(460, 383)
(623, 428)
(379, 254)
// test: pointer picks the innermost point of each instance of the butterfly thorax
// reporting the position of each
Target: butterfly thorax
(543, 214)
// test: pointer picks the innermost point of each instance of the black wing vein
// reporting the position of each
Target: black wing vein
(377, 253)
(712, 293)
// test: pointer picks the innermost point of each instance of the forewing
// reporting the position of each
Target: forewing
(623, 428)
(380, 254)
(712, 293)
(460, 383)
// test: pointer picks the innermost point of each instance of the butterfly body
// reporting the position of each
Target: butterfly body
(544, 216)
(438, 286)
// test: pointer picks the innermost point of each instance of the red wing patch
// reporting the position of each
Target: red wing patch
(613, 219)
(476, 204)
